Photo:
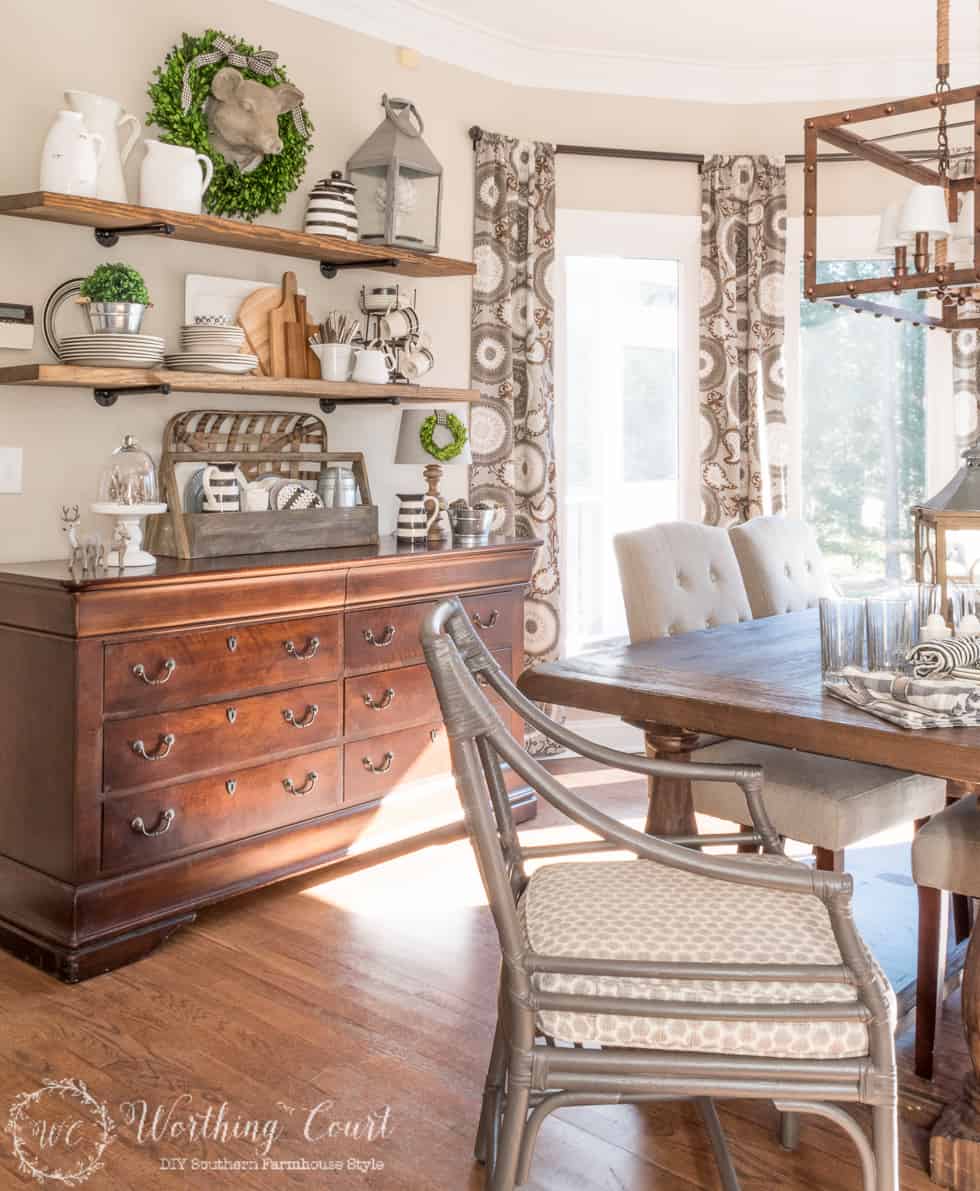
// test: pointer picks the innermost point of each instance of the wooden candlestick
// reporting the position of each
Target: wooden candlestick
(439, 532)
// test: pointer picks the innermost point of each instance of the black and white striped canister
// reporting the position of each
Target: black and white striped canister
(331, 210)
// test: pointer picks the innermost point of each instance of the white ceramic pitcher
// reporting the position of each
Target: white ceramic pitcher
(170, 177)
(105, 117)
(70, 157)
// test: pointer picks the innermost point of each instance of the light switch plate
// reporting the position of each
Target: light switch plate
(11, 471)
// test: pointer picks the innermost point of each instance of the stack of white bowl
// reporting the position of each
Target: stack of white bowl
(212, 349)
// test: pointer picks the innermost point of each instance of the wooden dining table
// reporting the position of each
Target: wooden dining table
(758, 680)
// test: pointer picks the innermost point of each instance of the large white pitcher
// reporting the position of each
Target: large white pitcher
(105, 117)
(170, 177)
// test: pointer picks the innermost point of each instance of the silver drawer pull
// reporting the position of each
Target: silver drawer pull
(164, 823)
(311, 713)
(308, 653)
(299, 791)
(385, 765)
(163, 674)
(163, 749)
(379, 704)
(489, 623)
(386, 637)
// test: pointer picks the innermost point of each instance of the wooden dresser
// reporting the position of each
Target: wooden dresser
(171, 738)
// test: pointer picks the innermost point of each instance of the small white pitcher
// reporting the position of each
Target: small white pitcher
(170, 177)
(70, 157)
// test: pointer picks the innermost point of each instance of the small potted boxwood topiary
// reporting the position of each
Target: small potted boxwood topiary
(115, 298)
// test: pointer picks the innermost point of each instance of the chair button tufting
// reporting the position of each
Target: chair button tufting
(789, 573)
(809, 565)
(680, 579)
(713, 575)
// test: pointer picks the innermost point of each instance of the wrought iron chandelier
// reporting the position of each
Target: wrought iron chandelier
(937, 222)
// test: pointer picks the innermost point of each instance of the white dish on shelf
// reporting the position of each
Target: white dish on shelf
(109, 362)
(229, 363)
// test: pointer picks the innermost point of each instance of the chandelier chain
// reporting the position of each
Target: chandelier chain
(942, 84)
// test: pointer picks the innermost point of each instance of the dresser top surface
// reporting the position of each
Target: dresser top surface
(56, 574)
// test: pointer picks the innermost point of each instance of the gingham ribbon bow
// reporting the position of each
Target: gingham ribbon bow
(262, 62)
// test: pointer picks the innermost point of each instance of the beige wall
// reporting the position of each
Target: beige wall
(111, 49)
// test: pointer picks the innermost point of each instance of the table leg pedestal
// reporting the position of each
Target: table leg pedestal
(954, 1149)
(671, 807)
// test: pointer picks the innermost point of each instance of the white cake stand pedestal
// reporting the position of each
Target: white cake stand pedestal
(127, 537)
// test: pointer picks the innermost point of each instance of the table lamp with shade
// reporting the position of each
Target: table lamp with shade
(411, 450)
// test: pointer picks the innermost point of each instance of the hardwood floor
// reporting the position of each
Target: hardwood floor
(372, 987)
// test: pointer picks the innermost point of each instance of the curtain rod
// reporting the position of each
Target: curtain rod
(698, 158)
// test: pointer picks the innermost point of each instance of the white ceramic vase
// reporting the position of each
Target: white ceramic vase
(105, 117)
(170, 177)
(70, 157)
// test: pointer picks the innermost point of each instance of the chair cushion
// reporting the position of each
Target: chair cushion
(816, 800)
(782, 567)
(946, 852)
(678, 577)
(645, 911)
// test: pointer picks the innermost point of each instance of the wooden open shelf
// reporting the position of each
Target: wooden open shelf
(120, 379)
(230, 233)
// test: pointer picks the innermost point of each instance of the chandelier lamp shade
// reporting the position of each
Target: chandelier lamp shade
(932, 233)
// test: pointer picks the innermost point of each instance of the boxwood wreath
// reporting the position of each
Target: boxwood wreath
(450, 449)
(231, 192)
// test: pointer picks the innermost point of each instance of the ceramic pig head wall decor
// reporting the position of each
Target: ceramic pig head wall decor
(243, 117)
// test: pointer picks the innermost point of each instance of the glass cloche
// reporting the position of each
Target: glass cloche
(129, 477)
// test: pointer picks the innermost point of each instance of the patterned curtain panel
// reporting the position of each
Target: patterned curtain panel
(743, 394)
(966, 362)
(512, 426)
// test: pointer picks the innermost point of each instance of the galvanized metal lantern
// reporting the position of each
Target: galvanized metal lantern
(947, 531)
(399, 182)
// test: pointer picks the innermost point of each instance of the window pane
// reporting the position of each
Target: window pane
(620, 425)
(863, 395)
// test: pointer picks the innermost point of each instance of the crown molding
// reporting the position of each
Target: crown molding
(510, 60)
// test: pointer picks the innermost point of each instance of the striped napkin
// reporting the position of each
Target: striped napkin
(909, 701)
(959, 658)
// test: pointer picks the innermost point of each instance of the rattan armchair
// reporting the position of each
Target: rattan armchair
(609, 992)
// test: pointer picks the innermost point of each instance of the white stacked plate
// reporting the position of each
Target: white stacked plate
(230, 363)
(213, 340)
(113, 351)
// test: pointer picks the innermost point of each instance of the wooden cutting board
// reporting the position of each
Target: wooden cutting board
(253, 318)
(296, 348)
(283, 314)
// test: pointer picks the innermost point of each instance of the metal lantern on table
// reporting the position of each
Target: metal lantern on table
(399, 182)
(947, 530)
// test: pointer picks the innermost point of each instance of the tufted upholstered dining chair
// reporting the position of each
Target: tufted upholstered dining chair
(680, 577)
(670, 975)
(781, 563)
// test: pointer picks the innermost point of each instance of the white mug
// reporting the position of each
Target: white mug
(256, 497)
(415, 364)
(399, 324)
(371, 367)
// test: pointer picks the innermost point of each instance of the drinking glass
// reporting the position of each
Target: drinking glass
(842, 633)
(965, 601)
(890, 621)
(925, 599)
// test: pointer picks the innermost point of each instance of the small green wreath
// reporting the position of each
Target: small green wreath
(450, 449)
(231, 192)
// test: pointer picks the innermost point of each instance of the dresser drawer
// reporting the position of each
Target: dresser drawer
(390, 636)
(374, 767)
(145, 828)
(189, 668)
(390, 699)
(176, 744)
